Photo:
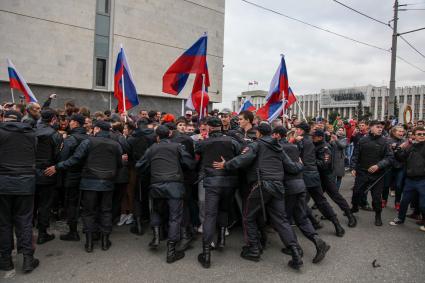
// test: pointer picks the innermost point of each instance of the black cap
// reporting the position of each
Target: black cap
(303, 126)
(264, 129)
(12, 115)
(376, 122)
(319, 133)
(78, 118)
(214, 122)
(104, 126)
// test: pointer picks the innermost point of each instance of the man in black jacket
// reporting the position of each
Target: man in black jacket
(219, 185)
(265, 162)
(295, 199)
(371, 157)
(413, 154)
(49, 144)
(324, 164)
(73, 175)
(102, 157)
(164, 162)
(312, 177)
(17, 178)
(140, 140)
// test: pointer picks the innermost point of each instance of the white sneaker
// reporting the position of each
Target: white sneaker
(130, 219)
(396, 222)
(227, 233)
(123, 219)
(422, 228)
(200, 230)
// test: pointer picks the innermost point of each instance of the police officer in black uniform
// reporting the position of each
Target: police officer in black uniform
(49, 143)
(265, 162)
(102, 158)
(324, 164)
(164, 161)
(312, 177)
(371, 157)
(17, 179)
(140, 140)
(295, 199)
(219, 185)
(72, 175)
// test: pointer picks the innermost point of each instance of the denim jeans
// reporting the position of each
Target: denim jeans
(410, 188)
(348, 154)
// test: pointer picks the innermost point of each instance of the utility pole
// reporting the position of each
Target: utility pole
(391, 98)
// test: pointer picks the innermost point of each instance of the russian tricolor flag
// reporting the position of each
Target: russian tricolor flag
(124, 88)
(18, 82)
(247, 106)
(279, 85)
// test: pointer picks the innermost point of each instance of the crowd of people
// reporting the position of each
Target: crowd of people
(186, 175)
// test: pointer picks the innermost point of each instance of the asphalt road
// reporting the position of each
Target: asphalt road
(399, 252)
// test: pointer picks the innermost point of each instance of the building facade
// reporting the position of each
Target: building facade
(70, 47)
(373, 100)
(257, 98)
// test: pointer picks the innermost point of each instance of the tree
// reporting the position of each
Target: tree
(359, 111)
(332, 116)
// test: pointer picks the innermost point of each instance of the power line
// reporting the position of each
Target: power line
(361, 13)
(408, 43)
(331, 32)
(314, 26)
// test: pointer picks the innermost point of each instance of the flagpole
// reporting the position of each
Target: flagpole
(182, 107)
(202, 98)
(123, 89)
(283, 102)
(110, 101)
(13, 98)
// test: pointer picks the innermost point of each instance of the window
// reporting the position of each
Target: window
(372, 106)
(100, 72)
(379, 108)
(401, 99)
(409, 99)
(417, 107)
(103, 6)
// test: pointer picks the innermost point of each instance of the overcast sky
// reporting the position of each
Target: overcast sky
(254, 40)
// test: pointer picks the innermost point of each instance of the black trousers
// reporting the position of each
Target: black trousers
(362, 181)
(72, 204)
(296, 207)
(329, 187)
(322, 203)
(16, 212)
(97, 211)
(218, 203)
(175, 215)
(45, 198)
(275, 210)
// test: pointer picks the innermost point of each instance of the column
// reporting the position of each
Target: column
(350, 113)
(375, 109)
(421, 107)
(413, 106)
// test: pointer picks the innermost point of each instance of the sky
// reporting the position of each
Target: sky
(255, 38)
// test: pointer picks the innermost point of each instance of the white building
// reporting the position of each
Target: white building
(257, 98)
(70, 47)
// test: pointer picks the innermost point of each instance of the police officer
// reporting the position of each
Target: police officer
(265, 162)
(371, 157)
(17, 179)
(164, 161)
(139, 141)
(72, 176)
(324, 164)
(312, 177)
(49, 143)
(102, 158)
(295, 199)
(219, 186)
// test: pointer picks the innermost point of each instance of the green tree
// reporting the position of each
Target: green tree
(332, 116)
(359, 111)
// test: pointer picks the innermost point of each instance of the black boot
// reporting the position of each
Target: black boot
(287, 251)
(221, 238)
(137, 227)
(154, 244)
(339, 231)
(30, 263)
(186, 239)
(205, 257)
(354, 209)
(315, 222)
(263, 238)
(296, 262)
(378, 219)
(89, 242)
(352, 221)
(172, 254)
(43, 236)
(251, 253)
(106, 243)
(321, 249)
(72, 235)
(6, 263)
